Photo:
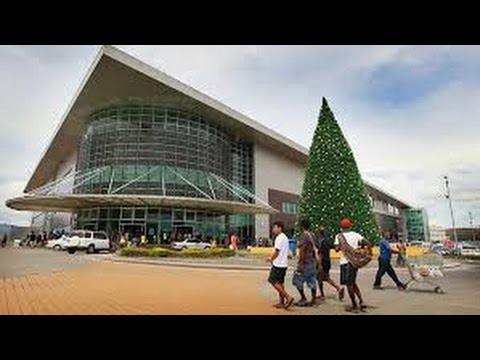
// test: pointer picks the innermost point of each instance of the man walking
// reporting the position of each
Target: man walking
(384, 264)
(279, 261)
(322, 243)
(306, 271)
(348, 272)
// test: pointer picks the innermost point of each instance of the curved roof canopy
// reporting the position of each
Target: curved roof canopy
(75, 202)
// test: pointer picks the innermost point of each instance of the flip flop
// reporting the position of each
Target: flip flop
(301, 304)
(289, 303)
(351, 309)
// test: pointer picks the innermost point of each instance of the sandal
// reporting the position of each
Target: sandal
(289, 303)
(352, 309)
(279, 306)
(301, 303)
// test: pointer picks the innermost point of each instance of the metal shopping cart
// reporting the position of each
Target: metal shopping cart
(426, 269)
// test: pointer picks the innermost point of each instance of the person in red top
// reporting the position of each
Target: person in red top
(233, 242)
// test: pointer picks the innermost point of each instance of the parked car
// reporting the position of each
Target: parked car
(442, 250)
(469, 251)
(191, 243)
(91, 241)
(58, 244)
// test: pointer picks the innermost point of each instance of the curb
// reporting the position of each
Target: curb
(227, 266)
(190, 265)
(452, 266)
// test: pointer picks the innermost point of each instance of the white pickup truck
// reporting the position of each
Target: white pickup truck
(91, 241)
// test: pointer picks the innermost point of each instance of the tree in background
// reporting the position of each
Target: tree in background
(333, 188)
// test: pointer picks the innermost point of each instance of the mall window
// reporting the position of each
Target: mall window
(290, 208)
(133, 139)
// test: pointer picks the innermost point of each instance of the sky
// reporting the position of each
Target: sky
(410, 113)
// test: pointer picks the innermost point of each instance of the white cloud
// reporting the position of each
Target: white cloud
(405, 149)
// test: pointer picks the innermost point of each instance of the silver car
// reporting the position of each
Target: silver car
(191, 243)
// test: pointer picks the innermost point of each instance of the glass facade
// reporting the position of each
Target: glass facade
(158, 224)
(417, 225)
(149, 150)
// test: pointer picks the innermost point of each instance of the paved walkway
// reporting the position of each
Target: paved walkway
(88, 285)
(111, 288)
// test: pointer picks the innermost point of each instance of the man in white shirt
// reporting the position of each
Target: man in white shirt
(279, 261)
(348, 273)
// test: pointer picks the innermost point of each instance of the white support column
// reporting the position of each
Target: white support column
(211, 187)
(229, 187)
(134, 180)
(111, 181)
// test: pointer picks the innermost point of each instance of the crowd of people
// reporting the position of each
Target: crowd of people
(313, 264)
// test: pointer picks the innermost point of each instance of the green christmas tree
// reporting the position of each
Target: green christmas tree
(333, 188)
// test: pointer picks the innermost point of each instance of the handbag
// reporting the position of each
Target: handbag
(357, 257)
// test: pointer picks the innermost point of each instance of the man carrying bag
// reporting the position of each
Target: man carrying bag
(308, 262)
(356, 253)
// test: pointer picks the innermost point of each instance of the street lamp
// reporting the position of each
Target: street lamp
(471, 224)
(455, 238)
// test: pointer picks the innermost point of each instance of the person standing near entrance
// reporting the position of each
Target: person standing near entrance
(4, 240)
(402, 254)
(344, 242)
(279, 261)
(384, 263)
(233, 242)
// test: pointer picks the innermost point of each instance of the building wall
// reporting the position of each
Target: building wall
(464, 234)
(274, 171)
(388, 216)
(437, 234)
(278, 200)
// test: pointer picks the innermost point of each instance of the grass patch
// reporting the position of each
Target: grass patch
(188, 253)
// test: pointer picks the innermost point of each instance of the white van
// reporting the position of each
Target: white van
(92, 241)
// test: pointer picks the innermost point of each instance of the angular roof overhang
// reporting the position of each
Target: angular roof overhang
(116, 78)
(375, 190)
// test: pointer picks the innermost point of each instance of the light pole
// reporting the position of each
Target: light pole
(471, 224)
(455, 238)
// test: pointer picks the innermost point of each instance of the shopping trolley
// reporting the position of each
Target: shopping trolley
(426, 269)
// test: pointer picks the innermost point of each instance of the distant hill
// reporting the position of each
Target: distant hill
(13, 231)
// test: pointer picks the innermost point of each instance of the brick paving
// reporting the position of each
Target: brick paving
(110, 288)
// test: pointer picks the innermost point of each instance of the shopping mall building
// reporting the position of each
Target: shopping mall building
(141, 152)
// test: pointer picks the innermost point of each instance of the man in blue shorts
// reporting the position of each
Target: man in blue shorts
(306, 271)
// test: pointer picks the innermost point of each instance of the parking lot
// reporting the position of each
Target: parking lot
(39, 281)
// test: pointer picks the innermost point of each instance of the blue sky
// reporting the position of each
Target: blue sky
(410, 113)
